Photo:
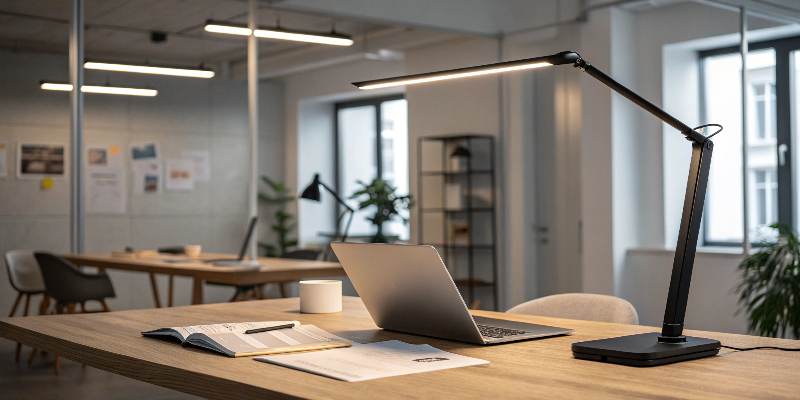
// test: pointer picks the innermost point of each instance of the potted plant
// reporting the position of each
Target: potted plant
(283, 221)
(381, 195)
(770, 287)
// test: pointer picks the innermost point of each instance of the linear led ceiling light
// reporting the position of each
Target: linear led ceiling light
(645, 349)
(146, 69)
(66, 87)
(280, 34)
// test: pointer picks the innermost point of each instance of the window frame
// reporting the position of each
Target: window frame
(373, 101)
(783, 101)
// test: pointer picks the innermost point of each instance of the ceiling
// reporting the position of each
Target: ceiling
(119, 30)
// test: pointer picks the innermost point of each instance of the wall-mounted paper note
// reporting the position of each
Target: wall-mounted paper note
(105, 190)
(3, 165)
(202, 163)
(180, 174)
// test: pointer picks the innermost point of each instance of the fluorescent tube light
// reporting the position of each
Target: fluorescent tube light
(229, 29)
(304, 37)
(142, 69)
(280, 34)
(66, 87)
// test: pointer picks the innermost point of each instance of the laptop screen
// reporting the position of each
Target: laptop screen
(247, 238)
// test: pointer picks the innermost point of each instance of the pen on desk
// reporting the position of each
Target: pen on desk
(269, 328)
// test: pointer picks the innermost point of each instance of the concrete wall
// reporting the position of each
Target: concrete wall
(190, 114)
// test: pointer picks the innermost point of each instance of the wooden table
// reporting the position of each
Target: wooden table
(274, 270)
(541, 368)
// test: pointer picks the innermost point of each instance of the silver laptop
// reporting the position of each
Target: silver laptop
(408, 289)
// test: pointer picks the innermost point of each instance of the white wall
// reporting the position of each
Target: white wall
(192, 114)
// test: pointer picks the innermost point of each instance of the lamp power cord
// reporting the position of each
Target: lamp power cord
(761, 348)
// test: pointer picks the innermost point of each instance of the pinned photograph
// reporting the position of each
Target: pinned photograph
(151, 183)
(144, 151)
(97, 157)
(35, 161)
(180, 174)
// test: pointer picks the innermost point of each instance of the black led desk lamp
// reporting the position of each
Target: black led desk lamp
(645, 349)
(312, 193)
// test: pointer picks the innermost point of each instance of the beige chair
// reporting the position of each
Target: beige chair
(26, 279)
(584, 306)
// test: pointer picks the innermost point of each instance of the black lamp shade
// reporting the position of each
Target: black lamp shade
(460, 152)
(312, 191)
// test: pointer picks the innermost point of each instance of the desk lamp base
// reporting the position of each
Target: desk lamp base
(644, 350)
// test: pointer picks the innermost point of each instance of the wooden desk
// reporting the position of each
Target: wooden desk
(275, 270)
(541, 368)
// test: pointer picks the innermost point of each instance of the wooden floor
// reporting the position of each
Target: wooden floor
(38, 381)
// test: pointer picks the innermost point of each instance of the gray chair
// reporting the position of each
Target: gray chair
(26, 279)
(70, 287)
(584, 306)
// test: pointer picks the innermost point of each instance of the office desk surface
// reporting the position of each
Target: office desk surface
(273, 270)
(530, 369)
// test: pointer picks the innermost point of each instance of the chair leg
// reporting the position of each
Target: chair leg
(27, 305)
(105, 306)
(44, 305)
(169, 293)
(32, 356)
(58, 364)
(16, 303)
(16, 355)
(283, 289)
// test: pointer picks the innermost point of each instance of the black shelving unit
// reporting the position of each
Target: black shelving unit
(480, 146)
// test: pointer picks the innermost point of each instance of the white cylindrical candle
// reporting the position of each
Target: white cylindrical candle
(320, 296)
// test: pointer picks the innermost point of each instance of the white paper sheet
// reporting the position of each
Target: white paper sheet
(371, 361)
(105, 190)
(202, 163)
(104, 156)
(180, 174)
(3, 165)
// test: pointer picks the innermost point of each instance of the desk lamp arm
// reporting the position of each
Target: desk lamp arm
(702, 148)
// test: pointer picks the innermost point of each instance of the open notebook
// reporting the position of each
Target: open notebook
(231, 339)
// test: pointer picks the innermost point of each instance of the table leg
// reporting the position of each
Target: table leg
(155, 289)
(169, 300)
(197, 291)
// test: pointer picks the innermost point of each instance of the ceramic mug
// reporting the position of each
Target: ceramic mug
(192, 250)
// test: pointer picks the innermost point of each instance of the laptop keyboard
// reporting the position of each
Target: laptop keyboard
(498, 333)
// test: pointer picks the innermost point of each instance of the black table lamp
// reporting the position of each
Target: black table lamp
(645, 349)
(312, 193)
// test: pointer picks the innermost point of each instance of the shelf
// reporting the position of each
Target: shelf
(462, 246)
(474, 282)
(460, 173)
(478, 209)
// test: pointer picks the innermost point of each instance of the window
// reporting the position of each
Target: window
(372, 143)
(771, 67)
